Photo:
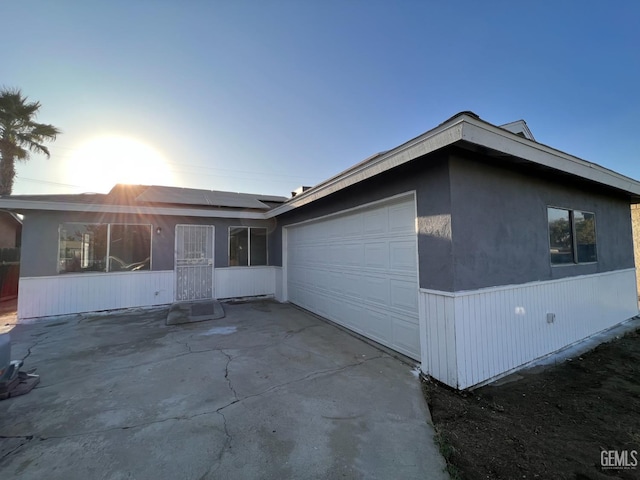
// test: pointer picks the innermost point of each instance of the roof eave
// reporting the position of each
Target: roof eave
(489, 136)
(21, 206)
(470, 129)
(440, 137)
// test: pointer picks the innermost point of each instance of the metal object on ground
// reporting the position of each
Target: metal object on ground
(13, 382)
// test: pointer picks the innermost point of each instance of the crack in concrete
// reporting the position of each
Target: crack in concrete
(306, 377)
(301, 379)
(226, 373)
(225, 447)
(76, 377)
(38, 342)
(218, 411)
(105, 430)
(26, 438)
(291, 333)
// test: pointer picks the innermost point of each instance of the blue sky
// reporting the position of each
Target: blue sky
(266, 95)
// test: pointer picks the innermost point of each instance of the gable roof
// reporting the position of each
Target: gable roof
(519, 127)
(12, 217)
(469, 131)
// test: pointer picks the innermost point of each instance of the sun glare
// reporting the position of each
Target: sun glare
(101, 162)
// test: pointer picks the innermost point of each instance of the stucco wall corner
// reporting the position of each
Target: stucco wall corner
(635, 225)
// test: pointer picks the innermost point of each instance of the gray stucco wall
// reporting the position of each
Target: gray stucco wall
(500, 231)
(429, 177)
(40, 237)
(635, 225)
(479, 224)
(483, 225)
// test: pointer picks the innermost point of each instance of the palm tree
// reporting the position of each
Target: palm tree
(20, 135)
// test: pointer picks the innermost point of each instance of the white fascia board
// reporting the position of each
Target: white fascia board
(23, 205)
(440, 137)
(495, 138)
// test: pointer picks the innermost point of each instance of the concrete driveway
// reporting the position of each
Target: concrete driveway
(267, 392)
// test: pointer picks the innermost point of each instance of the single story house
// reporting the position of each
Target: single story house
(472, 249)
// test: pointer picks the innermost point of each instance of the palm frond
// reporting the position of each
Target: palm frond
(19, 133)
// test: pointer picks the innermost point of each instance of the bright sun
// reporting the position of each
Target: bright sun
(101, 162)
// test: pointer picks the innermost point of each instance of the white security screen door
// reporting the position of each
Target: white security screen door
(194, 262)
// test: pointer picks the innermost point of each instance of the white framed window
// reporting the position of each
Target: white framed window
(572, 236)
(247, 246)
(103, 247)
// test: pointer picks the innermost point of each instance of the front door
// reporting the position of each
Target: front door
(194, 262)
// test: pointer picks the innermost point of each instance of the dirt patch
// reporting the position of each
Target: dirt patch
(547, 425)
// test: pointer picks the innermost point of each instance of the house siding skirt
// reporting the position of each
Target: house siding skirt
(470, 337)
(235, 282)
(87, 292)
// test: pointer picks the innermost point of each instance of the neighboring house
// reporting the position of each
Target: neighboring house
(10, 237)
(471, 248)
(10, 230)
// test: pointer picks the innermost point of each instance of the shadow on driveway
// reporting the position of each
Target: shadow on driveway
(267, 392)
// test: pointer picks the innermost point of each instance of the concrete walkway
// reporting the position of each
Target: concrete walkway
(267, 392)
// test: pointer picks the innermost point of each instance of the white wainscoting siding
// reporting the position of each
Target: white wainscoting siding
(232, 282)
(438, 336)
(475, 336)
(92, 292)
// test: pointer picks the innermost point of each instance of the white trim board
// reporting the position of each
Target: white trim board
(498, 288)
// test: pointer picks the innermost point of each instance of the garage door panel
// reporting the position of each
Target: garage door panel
(376, 290)
(404, 295)
(334, 254)
(375, 222)
(352, 227)
(336, 283)
(379, 325)
(359, 269)
(351, 254)
(404, 335)
(352, 285)
(324, 307)
(376, 255)
(347, 314)
(317, 234)
(335, 227)
(403, 255)
(322, 279)
(402, 218)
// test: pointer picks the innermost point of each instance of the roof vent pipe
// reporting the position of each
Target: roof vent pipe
(299, 190)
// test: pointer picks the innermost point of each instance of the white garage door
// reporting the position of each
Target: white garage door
(359, 269)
